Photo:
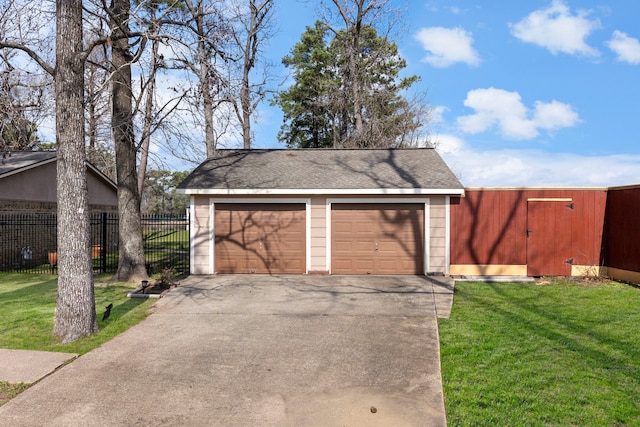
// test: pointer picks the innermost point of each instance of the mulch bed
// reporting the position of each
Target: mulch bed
(157, 288)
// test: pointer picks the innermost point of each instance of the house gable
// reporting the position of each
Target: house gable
(29, 179)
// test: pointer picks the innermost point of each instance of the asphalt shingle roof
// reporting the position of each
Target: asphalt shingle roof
(316, 169)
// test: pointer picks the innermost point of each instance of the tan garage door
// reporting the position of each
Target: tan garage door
(377, 239)
(261, 238)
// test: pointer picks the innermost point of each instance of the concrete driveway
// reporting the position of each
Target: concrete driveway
(261, 351)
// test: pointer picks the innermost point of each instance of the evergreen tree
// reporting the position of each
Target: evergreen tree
(306, 104)
(319, 108)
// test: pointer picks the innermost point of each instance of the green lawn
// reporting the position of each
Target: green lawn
(555, 354)
(166, 239)
(27, 305)
(164, 248)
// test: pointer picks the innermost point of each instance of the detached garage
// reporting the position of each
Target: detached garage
(321, 211)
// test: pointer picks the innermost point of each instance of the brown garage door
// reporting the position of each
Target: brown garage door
(377, 239)
(260, 238)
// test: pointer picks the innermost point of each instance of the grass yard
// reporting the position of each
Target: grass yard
(164, 248)
(27, 305)
(166, 239)
(559, 353)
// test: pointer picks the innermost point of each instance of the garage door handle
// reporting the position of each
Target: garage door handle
(377, 247)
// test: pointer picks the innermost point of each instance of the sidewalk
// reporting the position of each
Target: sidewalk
(27, 366)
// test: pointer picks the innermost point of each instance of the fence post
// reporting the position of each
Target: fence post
(103, 246)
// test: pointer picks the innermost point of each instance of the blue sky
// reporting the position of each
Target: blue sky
(536, 93)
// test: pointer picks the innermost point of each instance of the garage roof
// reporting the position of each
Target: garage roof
(323, 171)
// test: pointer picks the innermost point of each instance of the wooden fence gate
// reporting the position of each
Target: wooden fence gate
(549, 249)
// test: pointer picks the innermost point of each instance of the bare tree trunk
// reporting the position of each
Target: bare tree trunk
(131, 264)
(148, 108)
(75, 315)
(353, 27)
(245, 94)
(354, 50)
(245, 102)
(204, 79)
(256, 32)
(92, 120)
(355, 81)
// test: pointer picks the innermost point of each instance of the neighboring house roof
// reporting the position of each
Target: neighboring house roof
(318, 171)
(18, 161)
(13, 162)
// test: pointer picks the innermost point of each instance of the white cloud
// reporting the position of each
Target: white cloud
(554, 115)
(449, 144)
(447, 46)
(627, 48)
(535, 168)
(437, 113)
(504, 109)
(558, 30)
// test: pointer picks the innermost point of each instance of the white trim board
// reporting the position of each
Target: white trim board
(192, 229)
(322, 191)
(447, 239)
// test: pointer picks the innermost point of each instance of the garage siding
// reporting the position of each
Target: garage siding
(200, 236)
(318, 236)
(438, 235)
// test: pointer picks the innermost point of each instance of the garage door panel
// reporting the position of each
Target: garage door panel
(261, 238)
(365, 266)
(343, 264)
(342, 246)
(388, 268)
(342, 227)
(364, 247)
(384, 239)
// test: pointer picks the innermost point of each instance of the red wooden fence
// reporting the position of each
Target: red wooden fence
(622, 233)
(527, 231)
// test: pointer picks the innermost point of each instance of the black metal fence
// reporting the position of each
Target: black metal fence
(28, 242)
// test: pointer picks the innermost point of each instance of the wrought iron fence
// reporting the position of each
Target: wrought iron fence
(28, 242)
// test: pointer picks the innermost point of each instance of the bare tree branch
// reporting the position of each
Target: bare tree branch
(32, 54)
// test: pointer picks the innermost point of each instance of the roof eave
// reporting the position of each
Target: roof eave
(320, 191)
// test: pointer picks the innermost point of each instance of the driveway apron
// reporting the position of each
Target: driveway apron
(260, 351)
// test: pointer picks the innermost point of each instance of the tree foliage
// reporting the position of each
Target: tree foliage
(348, 90)
(160, 197)
(308, 105)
